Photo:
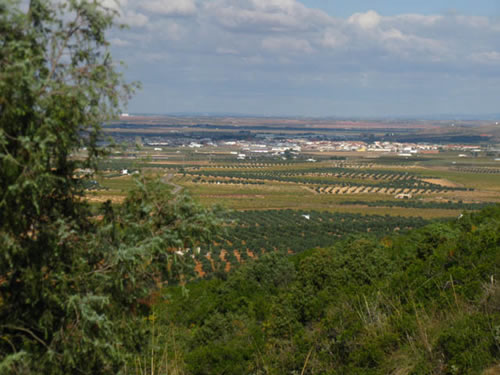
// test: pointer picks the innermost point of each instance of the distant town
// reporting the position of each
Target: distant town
(246, 138)
(271, 147)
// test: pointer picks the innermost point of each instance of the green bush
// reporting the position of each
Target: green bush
(424, 302)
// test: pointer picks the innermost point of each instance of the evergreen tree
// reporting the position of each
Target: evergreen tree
(73, 287)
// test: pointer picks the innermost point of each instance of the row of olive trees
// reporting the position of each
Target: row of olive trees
(293, 231)
(341, 180)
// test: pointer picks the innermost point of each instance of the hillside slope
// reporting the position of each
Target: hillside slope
(423, 303)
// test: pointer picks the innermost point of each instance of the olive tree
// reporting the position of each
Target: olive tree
(72, 286)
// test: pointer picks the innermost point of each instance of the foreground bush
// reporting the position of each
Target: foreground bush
(427, 302)
(73, 288)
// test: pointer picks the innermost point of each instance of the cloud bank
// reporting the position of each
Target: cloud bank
(280, 56)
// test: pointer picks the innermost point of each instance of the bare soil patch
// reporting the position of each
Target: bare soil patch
(199, 269)
(440, 182)
(242, 196)
(104, 198)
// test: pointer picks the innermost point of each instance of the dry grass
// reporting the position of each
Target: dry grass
(163, 356)
(101, 198)
(495, 370)
(440, 182)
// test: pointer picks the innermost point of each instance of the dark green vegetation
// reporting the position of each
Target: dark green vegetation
(478, 170)
(420, 204)
(252, 234)
(427, 302)
(302, 230)
(81, 288)
(73, 289)
(230, 181)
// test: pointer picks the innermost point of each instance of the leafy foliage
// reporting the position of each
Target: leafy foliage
(73, 287)
(426, 302)
(251, 234)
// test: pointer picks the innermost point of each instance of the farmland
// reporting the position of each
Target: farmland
(191, 243)
(430, 187)
(251, 234)
(291, 202)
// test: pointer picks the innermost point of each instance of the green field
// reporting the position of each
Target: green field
(265, 200)
(326, 185)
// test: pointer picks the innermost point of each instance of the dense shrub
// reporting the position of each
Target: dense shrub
(420, 303)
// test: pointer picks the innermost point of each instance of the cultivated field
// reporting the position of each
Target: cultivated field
(292, 205)
(434, 186)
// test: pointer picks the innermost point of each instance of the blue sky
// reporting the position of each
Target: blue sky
(311, 57)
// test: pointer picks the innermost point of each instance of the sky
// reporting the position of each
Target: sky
(356, 58)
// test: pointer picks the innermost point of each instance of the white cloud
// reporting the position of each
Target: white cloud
(275, 5)
(290, 27)
(170, 7)
(116, 5)
(119, 42)
(280, 39)
(366, 21)
(394, 34)
(133, 19)
(333, 38)
(287, 44)
(128, 15)
(415, 19)
(411, 46)
(266, 15)
(226, 51)
(489, 57)
(472, 21)
(173, 31)
(407, 36)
